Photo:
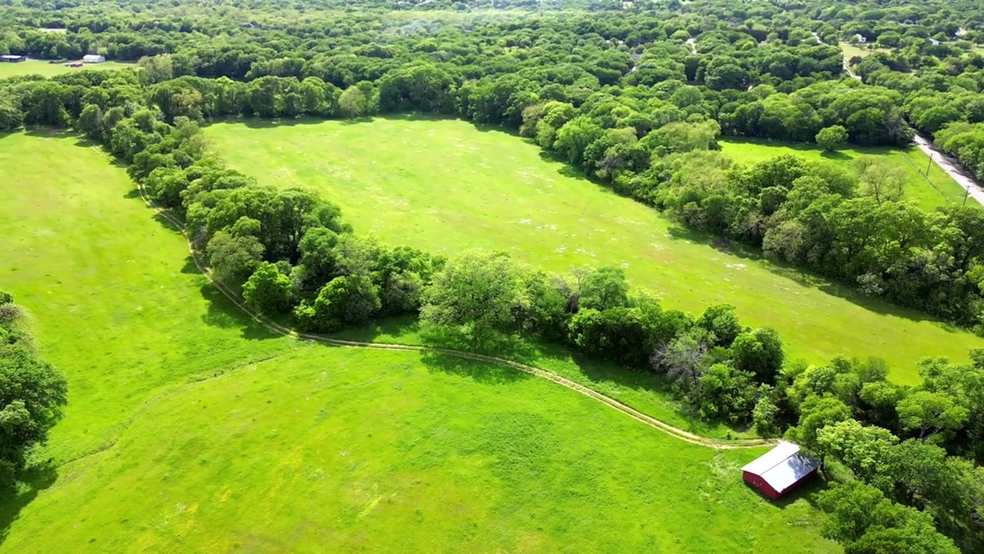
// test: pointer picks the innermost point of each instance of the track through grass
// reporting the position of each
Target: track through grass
(215, 435)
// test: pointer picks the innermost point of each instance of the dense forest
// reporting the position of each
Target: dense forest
(635, 96)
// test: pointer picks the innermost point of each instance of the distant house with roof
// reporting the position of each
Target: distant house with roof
(780, 470)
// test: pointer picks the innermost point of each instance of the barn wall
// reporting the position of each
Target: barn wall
(760, 485)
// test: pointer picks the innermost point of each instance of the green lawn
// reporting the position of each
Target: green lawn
(851, 50)
(938, 190)
(45, 69)
(192, 430)
(446, 186)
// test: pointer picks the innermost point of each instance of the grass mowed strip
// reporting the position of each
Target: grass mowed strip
(929, 193)
(345, 450)
(446, 186)
(45, 69)
(120, 308)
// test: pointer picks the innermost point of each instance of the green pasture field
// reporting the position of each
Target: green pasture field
(939, 189)
(851, 50)
(340, 450)
(45, 69)
(190, 429)
(140, 264)
(119, 307)
(446, 186)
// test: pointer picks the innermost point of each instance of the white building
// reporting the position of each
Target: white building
(93, 58)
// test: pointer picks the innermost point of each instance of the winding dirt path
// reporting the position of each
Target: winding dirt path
(528, 369)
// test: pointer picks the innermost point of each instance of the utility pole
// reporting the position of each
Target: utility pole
(930, 164)
(966, 195)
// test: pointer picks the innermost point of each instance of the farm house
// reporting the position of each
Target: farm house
(93, 58)
(780, 470)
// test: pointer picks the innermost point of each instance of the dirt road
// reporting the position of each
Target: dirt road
(952, 168)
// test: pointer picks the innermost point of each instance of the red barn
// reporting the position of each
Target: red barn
(780, 470)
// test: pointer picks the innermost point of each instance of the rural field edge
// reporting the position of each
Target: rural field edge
(525, 368)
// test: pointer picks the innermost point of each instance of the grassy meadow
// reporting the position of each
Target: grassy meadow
(938, 189)
(852, 50)
(446, 186)
(119, 307)
(340, 450)
(190, 429)
(45, 69)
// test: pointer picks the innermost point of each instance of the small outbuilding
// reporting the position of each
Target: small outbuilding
(11, 58)
(93, 58)
(780, 470)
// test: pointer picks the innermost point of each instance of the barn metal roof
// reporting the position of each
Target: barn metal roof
(782, 466)
(772, 458)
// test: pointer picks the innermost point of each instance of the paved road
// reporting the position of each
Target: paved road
(951, 167)
(946, 163)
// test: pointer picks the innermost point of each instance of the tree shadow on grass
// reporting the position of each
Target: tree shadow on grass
(30, 483)
(721, 244)
(570, 171)
(883, 307)
(836, 156)
(601, 375)
(189, 267)
(510, 347)
(805, 277)
(263, 123)
(609, 379)
(403, 329)
(481, 372)
(806, 491)
(260, 123)
(51, 132)
(222, 312)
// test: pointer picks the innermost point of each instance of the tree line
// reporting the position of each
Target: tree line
(32, 392)
(852, 227)
(621, 96)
